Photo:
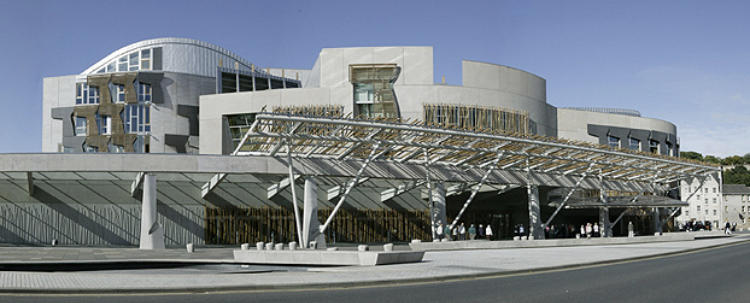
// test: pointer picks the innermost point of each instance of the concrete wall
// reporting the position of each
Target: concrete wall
(573, 124)
(56, 92)
(179, 89)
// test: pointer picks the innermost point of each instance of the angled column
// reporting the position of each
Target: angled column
(535, 215)
(438, 205)
(311, 225)
(152, 234)
(605, 225)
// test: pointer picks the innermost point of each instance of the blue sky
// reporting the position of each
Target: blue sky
(683, 61)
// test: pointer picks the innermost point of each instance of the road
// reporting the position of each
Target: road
(712, 275)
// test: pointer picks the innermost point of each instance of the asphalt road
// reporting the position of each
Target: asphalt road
(713, 275)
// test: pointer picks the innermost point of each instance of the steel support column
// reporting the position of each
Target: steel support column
(152, 234)
(294, 194)
(535, 216)
(349, 188)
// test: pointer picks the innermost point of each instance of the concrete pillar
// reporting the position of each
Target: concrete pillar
(605, 226)
(311, 225)
(535, 215)
(152, 234)
(438, 205)
(657, 220)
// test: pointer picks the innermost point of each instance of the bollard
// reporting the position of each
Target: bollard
(279, 246)
(292, 245)
(259, 245)
(190, 248)
(388, 247)
(244, 246)
(332, 249)
(362, 247)
(54, 242)
(444, 240)
(269, 246)
(313, 245)
(416, 241)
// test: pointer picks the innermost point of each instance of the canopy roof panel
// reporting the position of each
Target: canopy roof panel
(275, 135)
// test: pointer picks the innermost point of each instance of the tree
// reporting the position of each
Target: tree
(733, 160)
(712, 159)
(737, 175)
(692, 155)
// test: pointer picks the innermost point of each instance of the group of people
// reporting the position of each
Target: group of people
(460, 232)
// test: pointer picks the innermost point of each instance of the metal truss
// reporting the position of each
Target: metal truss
(343, 139)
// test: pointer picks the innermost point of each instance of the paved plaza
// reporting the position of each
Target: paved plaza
(222, 275)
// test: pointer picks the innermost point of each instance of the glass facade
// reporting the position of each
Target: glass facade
(613, 141)
(138, 60)
(635, 144)
(373, 90)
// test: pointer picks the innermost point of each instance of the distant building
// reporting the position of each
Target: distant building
(736, 203)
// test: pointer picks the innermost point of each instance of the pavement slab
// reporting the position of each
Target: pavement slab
(436, 265)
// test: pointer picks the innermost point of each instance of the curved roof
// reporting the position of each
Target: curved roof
(161, 42)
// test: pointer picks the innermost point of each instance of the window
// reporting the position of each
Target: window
(714, 200)
(669, 149)
(114, 148)
(699, 208)
(137, 119)
(714, 190)
(133, 59)
(613, 141)
(373, 89)
(144, 92)
(103, 123)
(111, 67)
(714, 212)
(706, 189)
(120, 93)
(698, 197)
(653, 146)
(743, 209)
(146, 59)
(635, 144)
(80, 126)
(687, 213)
(86, 94)
(89, 149)
(122, 64)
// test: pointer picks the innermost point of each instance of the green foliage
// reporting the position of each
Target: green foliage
(733, 160)
(712, 159)
(737, 175)
(692, 155)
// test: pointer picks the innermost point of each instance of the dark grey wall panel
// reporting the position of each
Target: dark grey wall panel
(602, 131)
(191, 113)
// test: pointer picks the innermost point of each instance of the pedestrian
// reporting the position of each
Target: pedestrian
(480, 231)
(488, 233)
(472, 232)
(439, 231)
(454, 232)
(583, 231)
(728, 228)
(521, 231)
(588, 230)
(447, 233)
(596, 229)
(462, 232)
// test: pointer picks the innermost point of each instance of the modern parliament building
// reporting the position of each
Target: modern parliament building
(147, 100)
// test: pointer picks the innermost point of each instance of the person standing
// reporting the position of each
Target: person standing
(588, 230)
(583, 231)
(447, 233)
(596, 229)
(480, 231)
(521, 231)
(472, 232)
(462, 232)
(488, 233)
(439, 231)
(727, 228)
